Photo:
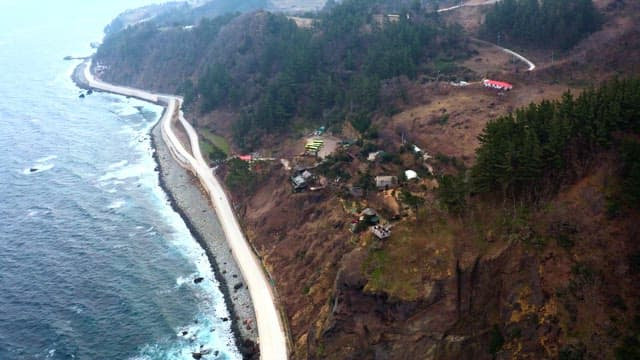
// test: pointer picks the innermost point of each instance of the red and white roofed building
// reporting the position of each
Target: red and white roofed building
(500, 85)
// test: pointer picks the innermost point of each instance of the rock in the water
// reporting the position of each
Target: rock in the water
(196, 355)
(198, 280)
(33, 169)
(81, 96)
(184, 333)
(90, 91)
(238, 286)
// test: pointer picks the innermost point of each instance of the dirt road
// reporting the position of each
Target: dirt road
(529, 63)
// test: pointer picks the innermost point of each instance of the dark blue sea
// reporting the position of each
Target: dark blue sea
(94, 263)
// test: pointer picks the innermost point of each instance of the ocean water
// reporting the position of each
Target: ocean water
(94, 263)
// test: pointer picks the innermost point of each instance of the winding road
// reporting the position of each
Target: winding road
(489, 2)
(271, 332)
(529, 63)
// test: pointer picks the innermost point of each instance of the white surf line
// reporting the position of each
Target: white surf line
(271, 333)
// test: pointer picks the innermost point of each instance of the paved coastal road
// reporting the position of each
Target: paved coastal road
(271, 333)
(530, 64)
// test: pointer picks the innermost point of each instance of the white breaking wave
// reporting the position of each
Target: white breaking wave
(181, 280)
(116, 204)
(37, 169)
(210, 331)
(127, 111)
(46, 159)
(124, 173)
(40, 165)
(119, 164)
(51, 353)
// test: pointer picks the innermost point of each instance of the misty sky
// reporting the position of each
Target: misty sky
(16, 14)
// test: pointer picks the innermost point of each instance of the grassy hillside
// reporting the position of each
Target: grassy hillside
(519, 238)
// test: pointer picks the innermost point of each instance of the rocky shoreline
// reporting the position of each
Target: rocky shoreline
(188, 199)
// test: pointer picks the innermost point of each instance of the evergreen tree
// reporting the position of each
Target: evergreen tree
(545, 24)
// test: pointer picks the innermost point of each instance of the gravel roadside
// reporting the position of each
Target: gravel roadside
(189, 200)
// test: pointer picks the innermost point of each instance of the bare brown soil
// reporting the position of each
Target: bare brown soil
(436, 288)
(442, 118)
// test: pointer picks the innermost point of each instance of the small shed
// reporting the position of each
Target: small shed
(410, 174)
(306, 175)
(369, 217)
(368, 212)
(381, 232)
(373, 156)
(386, 182)
(299, 183)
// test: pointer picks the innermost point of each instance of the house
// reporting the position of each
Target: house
(369, 216)
(301, 179)
(299, 183)
(386, 182)
(381, 232)
(391, 18)
(319, 131)
(373, 156)
(306, 175)
(368, 212)
(500, 85)
(410, 174)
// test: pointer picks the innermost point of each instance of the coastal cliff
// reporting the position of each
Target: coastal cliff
(543, 266)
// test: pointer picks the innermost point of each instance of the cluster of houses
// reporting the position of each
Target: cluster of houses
(302, 179)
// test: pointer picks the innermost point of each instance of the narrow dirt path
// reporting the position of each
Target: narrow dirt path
(520, 57)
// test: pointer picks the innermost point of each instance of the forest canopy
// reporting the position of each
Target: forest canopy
(530, 154)
(550, 24)
(277, 73)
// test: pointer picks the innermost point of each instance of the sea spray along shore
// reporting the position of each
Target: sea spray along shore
(188, 199)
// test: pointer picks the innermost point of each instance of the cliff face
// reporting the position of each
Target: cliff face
(522, 294)
(164, 59)
(556, 279)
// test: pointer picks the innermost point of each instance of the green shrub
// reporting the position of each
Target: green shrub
(496, 340)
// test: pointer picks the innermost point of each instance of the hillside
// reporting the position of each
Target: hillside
(517, 239)
(189, 13)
